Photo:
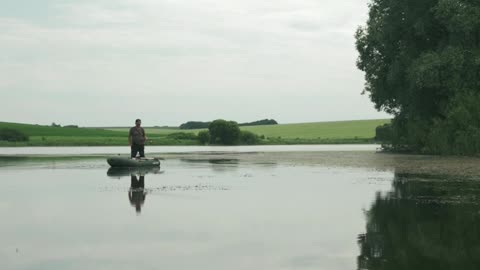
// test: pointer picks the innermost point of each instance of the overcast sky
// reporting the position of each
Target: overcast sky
(107, 62)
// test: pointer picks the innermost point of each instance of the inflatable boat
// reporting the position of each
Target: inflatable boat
(126, 162)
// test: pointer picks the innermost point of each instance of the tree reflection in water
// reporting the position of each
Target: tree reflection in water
(425, 222)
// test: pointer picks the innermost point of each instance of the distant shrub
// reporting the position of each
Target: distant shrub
(204, 137)
(248, 137)
(70, 126)
(55, 125)
(12, 135)
(263, 122)
(182, 136)
(224, 132)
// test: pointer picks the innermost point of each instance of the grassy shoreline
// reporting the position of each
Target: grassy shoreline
(182, 142)
(341, 132)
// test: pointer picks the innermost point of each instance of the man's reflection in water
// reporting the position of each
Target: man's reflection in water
(137, 192)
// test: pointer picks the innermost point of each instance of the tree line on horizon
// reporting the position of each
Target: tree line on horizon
(422, 65)
(203, 125)
(13, 135)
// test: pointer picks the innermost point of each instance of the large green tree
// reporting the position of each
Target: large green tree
(422, 64)
(224, 132)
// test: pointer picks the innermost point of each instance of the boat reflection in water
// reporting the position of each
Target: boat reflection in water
(137, 192)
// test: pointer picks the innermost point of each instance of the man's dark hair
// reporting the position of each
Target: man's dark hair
(138, 120)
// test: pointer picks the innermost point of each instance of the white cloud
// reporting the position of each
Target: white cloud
(173, 50)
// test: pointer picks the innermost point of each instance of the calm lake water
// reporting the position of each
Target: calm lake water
(99, 150)
(256, 209)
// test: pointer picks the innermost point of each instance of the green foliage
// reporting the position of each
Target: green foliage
(264, 122)
(383, 133)
(194, 125)
(224, 132)
(459, 132)
(202, 125)
(12, 135)
(420, 59)
(248, 138)
(204, 137)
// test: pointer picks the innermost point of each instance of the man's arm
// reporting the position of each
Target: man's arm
(144, 135)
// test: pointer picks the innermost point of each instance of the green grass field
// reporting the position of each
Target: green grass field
(39, 130)
(364, 129)
(62, 136)
(155, 131)
(359, 131)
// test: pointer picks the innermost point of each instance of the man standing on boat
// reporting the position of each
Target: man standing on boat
(136, 139)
